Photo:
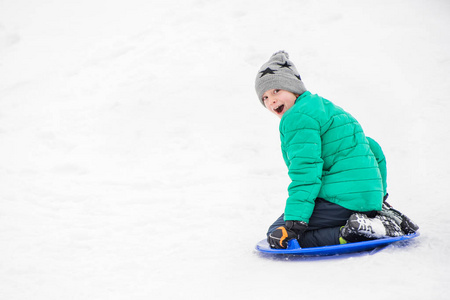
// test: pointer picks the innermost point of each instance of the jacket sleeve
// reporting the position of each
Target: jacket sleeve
(301, 147)
(381, 159)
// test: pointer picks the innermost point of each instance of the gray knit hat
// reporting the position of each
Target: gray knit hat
(278, 73)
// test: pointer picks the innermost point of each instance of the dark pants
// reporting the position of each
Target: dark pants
(324, 225)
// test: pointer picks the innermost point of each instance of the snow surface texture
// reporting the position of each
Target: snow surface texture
(137, 162)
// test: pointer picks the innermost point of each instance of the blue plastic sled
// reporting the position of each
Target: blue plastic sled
(295, 249)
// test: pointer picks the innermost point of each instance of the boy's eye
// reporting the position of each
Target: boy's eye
(276, 91)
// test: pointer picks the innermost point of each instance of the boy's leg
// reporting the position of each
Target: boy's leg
(324, 225)
(325, 215)
(313, 238)
(320, 237)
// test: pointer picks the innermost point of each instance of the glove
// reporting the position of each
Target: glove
(405, 223)
(279, 238)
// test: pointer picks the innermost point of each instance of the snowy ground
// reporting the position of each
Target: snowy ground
(137, 163)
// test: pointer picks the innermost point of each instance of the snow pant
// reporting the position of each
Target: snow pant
(324, 225)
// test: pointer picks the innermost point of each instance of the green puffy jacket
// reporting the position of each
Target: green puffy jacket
(329, 157)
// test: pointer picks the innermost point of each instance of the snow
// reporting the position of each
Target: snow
(137, 162)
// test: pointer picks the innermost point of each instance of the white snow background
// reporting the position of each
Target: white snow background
(136, 161)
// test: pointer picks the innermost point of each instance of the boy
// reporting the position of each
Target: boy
(338, 174)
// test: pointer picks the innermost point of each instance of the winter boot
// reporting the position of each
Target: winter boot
(405, 223)
(359, 228)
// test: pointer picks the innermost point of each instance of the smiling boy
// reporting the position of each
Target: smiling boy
(279, 101)
(336, 171)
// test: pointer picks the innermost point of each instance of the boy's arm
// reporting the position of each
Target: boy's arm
(301, 146)
(381, 159)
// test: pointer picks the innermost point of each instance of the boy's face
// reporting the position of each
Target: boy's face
(279, 101)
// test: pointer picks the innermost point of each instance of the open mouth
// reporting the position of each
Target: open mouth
(279, 109)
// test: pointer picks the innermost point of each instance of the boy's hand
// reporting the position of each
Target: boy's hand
(291, 230)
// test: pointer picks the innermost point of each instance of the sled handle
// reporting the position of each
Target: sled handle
(293, 244)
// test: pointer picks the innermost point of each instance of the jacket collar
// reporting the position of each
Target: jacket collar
(304, 95)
